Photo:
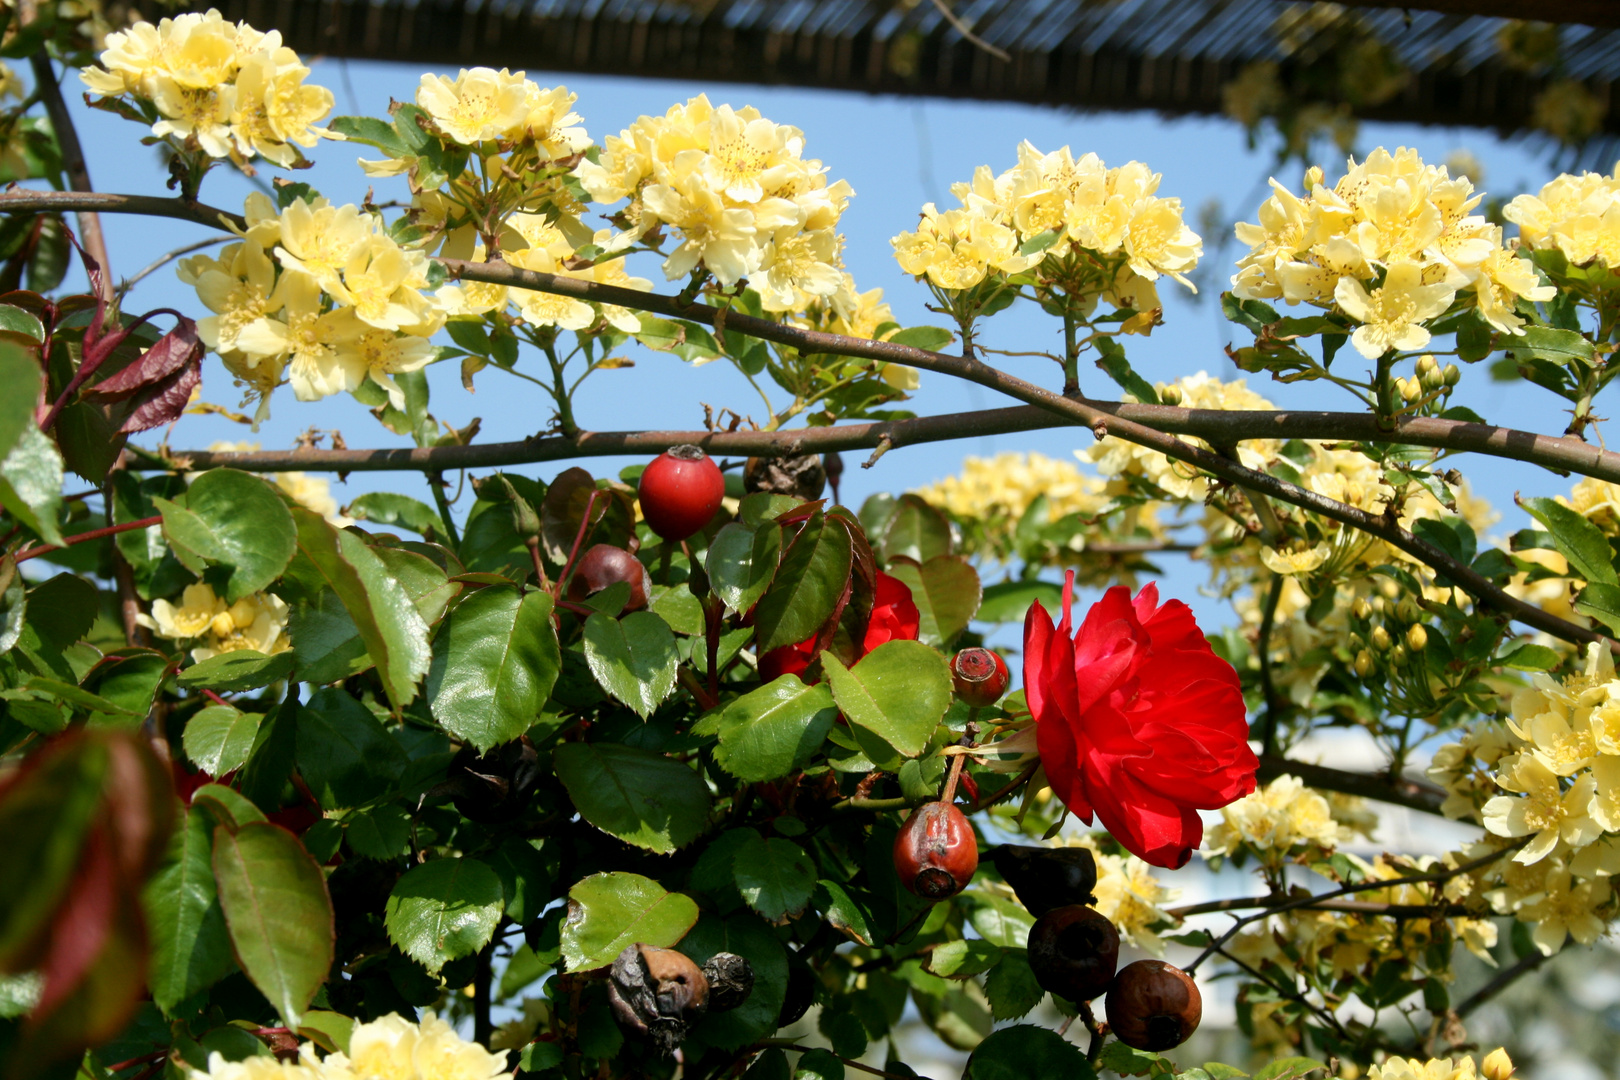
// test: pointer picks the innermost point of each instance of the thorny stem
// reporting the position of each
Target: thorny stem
(969, 736)
(1099, 1034)
(573, 554)
(92, 534)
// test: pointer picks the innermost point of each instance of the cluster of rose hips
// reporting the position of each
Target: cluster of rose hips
(1073, 948)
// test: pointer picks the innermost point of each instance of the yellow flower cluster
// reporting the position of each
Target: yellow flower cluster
(739, 194)
(223, 87)
(1005, 485)
(1391, 244)
(1550, 778)
(318, 296)
(484, 105)
(1114, 457)
(1577, 215)
(1128, 895)
(1598, 501)
(1496, 1066)
(1279, 821)
(257, 622)
(1111, 213)
(391, 1048)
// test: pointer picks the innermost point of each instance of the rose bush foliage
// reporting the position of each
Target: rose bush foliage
(301, 789)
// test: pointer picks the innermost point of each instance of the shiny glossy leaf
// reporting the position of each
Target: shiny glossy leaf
(805, 592)
(278, 913)
(243, 669)
(444, 909)
(640, 797)
(219, 738)
(31, 483)
(633, 658)
(232, 520)
(917, 531)
(775, 877)
(772, 731)
(893, 698)
(191, 947)
(607, 912)
(494, 664)
(741, 563)
(946, 591)
(343, 752)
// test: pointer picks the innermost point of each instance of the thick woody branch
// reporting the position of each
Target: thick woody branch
(1379, 786)
(22, 200)
(1103, 418)
(73, 163)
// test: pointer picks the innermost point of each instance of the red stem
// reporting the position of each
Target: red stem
(93, 534)
(579, 538)
(215, 698)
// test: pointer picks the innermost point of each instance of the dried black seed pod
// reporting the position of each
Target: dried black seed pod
(803, 476)
(731, 980)
(656, 993)
(1073, 952)
(1047, 878)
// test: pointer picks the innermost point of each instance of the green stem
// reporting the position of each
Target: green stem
(436, 482)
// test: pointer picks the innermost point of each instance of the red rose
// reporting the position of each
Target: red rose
(1137, 719)
(894, 618)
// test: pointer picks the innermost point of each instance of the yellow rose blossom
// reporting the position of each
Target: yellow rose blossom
(257, 622)
(1295, 562)
(1274, 820)
(318, 346)
(478, 104)
(1392, 314)
(193, 616)
(1545, 811)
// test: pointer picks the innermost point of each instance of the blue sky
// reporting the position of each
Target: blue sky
(897, 154)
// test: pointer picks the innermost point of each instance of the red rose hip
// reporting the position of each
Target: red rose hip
(979, 676)
(680, 491)
(936, 853)
(605, 565)
(1154, 1005)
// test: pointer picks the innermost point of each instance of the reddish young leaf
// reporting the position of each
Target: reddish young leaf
(162, 403)
(170, 355)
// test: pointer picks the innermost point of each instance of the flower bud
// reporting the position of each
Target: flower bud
(1432, 379)
(1380, 638)
(1417, 638)
(1411, 389)
(979, 676)
(1426, 364)
(1170, 394)
(1452, 374)
(1364, 663)
(1361, 609)
(1408, 612)
(1497, 1065)
(1398, 655)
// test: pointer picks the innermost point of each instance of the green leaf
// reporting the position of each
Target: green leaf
(444, 909)
(31, 483)
(386, 508)
(917, 531)
(607, 912)
(818, 1064)
(814, 572)
(394, 633)
(1116, 367)
(1122, 1059)
(191, 947)
(383, 832)
(226, 806)
(746, 935)
(633, 658)
(843, 913)
(219, 738)
(1023, 1051)
(1559, 346)
(343, 753)
(775, 877)
(893, 698)
(525, 881)
(372, 132)
(20, 375)
(62, 609)
(240, 670)
(998, 919)
(932, 338)
(233, 520)
(494, 664)
(963, 959)
(1600, 602)
(1528, 656)
(640, 797)
(1578, 540)
(741, 563)
(775, 730)
(1290, 1068)
(270, 761)
(946, 591)
(278, 913)
(1011, 986)
(129, 678)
